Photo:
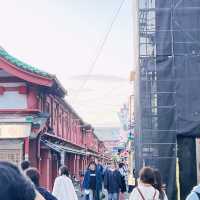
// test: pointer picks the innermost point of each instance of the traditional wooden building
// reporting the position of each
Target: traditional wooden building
(37, 123)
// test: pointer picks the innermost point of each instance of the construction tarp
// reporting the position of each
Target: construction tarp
(169, 82)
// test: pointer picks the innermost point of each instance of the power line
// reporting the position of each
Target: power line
(93, 63)
(101, 104)
(102, 98)
(110, 92)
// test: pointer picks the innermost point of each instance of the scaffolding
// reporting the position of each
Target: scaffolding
(168, 75)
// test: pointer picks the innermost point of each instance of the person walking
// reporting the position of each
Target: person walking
(99, 165)
(145, 189)
(34, 176)
(131, 181)
(113, 182)
(159, 185)
(63, 188)
(100, 169)
(92, 182)
(123, 181)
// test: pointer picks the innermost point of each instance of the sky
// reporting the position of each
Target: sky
(63, 37)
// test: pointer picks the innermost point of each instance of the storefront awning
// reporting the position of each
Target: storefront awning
(61, 148)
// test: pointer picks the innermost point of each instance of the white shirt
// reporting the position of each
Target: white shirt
(147, 191)
(63, 189)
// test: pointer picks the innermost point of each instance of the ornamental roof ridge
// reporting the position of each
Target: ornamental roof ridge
(21, 65)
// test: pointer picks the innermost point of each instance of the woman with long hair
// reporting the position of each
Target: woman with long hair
(159, 185)
(63, 187)
(145, 189)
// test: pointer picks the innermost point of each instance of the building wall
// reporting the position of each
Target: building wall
(46, 170)
(33, 153)
(63, 123)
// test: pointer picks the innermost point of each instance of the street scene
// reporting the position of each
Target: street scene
(99, 100)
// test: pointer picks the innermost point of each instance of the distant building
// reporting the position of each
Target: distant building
(110, 136)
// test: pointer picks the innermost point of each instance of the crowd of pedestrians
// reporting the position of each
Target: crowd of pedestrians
(107, 182)
(149, 185)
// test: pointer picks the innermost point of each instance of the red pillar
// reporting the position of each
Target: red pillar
(54, 168)
(71, 164)
(77, 166)
(67, 160)
(84, 164)
(46, 169)
(81, 164)
(33, 156)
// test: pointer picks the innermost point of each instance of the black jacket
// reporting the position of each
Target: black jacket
(112, 181)
(47, 195)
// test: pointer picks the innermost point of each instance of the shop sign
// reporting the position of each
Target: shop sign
(14, 130)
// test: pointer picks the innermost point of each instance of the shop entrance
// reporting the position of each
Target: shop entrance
(11, 151)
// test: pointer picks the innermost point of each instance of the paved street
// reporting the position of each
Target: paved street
(80, 194)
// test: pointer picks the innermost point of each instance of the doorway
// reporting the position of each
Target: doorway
(186, 152)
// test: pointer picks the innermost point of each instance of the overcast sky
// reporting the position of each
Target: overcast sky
(62, 37)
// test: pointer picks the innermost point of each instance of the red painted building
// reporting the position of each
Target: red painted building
(36, 122)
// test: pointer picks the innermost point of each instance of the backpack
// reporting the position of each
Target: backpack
(154, 196)
(198, 194)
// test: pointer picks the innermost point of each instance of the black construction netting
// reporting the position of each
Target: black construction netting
(169, 88)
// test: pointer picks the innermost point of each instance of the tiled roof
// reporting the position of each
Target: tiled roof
(107, 133)
(22, 65)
